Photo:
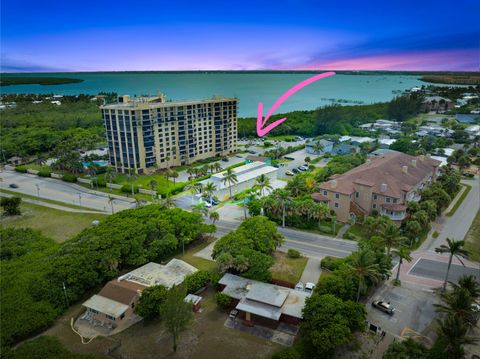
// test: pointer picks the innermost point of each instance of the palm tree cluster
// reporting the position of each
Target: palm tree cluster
(281, 205)
(459, 315)
(196, 172)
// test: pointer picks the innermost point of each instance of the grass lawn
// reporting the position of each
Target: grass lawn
(473, 239)
(197, 262)
(207, 337)
(286, 268)
(59, 225)
(63, 204)
(357, 230)
(460, 200)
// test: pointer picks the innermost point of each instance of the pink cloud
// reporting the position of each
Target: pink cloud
(453, 60)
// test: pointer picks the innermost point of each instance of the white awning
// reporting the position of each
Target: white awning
(106, 306)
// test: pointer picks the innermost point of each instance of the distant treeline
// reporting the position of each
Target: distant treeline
(471, 79)
(335, 119)
(9, 81)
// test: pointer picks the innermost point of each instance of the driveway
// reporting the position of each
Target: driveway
(413, 308)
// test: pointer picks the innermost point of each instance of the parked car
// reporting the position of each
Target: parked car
(213, 202)
(233, 313)
(295, 170)
(383, 306)
(299, 286)
(13, 185)
(469, 175)
(239, 156)
(302, 168)
(225, 159)
(290, 173)
(207, 203)
(276, 166)
(309, 287)
(252, 152)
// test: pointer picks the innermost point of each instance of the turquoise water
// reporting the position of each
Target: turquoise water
(99, 163)
(249, 88)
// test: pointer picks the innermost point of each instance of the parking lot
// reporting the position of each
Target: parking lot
(413, 308)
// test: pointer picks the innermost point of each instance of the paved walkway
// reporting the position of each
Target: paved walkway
(312, 271)
(53, 205)
(342, 231)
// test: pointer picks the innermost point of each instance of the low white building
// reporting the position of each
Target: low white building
(473, 131)
(246, 175)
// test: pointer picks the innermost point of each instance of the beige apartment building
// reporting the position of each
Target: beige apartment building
(385, 184)
(149, 132)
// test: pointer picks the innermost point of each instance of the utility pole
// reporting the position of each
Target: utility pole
(38, 190)
(80, 199)
(65, 292)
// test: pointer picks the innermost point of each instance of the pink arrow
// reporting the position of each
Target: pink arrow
(260, 123)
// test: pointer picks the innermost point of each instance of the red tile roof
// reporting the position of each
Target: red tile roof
(385, 174)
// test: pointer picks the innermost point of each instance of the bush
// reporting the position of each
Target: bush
(223, 300)
(150, 301)
(331, 263)
(197, 281)
(21, 169)
(67, 177)
(127, 188)
(44, 173)
(288, 353)
(11, 205)
(325, 229)
(348, 235)
(100, 182)
(293, 253)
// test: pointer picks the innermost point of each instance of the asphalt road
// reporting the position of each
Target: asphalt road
(457, 226)
(57, 190)
(436, 270)
(309, 244)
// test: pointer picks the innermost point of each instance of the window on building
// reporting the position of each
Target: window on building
(357, 194)
(337, 195)
(324, 193)
(374, 206)
(110, 317)
(387, 199)
(336, 205)
(374, 196)
(394, 200)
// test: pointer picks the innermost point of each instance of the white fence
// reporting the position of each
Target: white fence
(147, 191)
(56, 175)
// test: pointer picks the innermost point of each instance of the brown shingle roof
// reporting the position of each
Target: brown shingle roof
(396, 207)
(386, 169)
(318, 197)
(121, 291)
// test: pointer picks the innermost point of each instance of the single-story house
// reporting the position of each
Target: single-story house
(264, 301)
(115, 303)
(473, 131)
(325, 145)
(386, 142)
(345, 149)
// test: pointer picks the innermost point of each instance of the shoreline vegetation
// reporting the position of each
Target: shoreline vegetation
(11, 81)
(451, 79)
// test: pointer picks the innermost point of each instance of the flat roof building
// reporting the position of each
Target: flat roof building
(150, 132)
(263, 299)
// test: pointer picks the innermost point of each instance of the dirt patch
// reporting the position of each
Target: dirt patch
(207, 338)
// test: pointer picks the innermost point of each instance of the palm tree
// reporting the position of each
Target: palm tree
(454, 248)
(391, 236)
(262, 183)
(168, 202)
(363, 268)
(199, 207)
(109, 176)
(214, 216)
(209, 189)
(319, 211)
(458, 303)
(282, 197)
(310, 184)
(229, 177)
(153, 186)
(217, 167)
(131, 178)
(174, 175)
(317, 147)
(468, 282)
(403, 253)
(454, 332)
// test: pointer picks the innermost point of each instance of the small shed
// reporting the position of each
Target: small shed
(195, 300)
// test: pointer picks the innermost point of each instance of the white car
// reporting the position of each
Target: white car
(303, 168)
(299, 286)
(309, 287)
(207, 204)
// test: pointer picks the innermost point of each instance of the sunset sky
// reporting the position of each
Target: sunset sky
(239, 35)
